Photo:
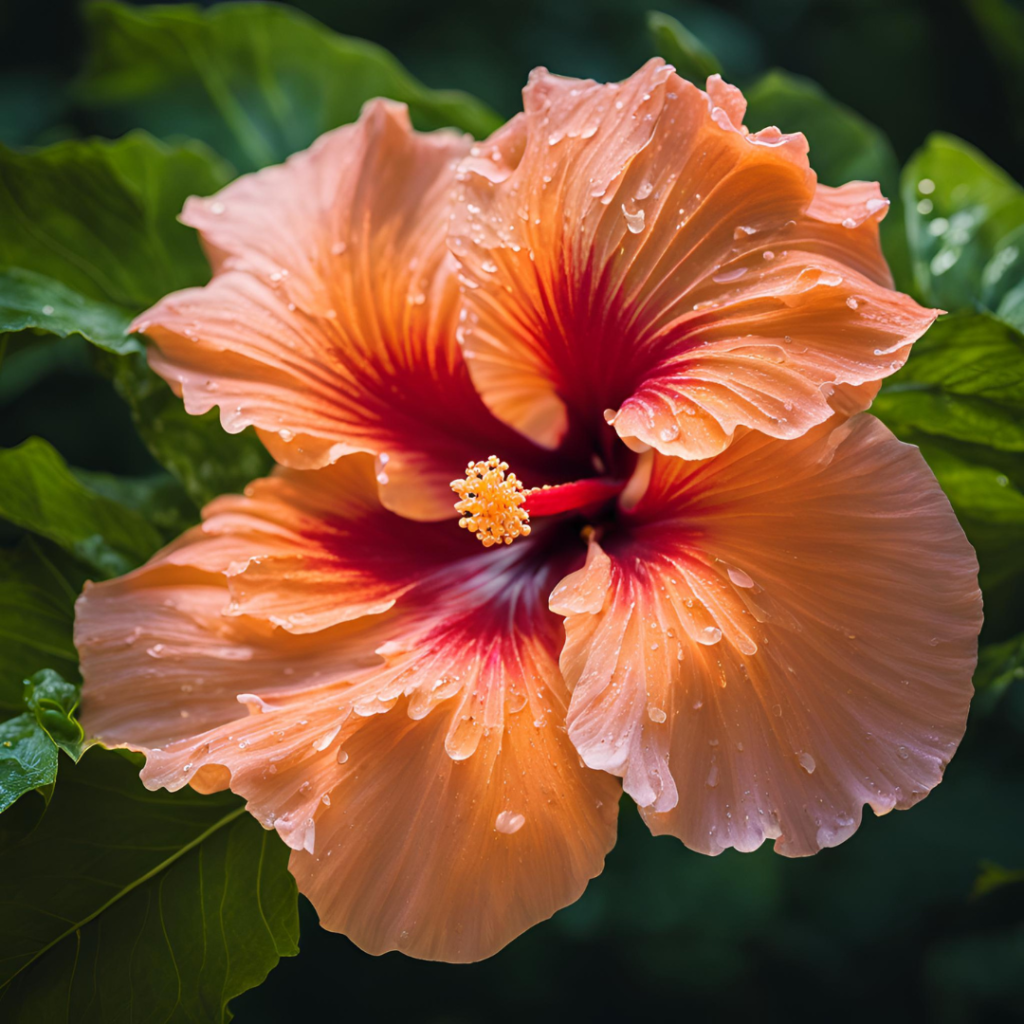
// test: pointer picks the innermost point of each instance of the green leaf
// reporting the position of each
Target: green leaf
(29, 743)
(38, 587)
(39, 493)
(965, 227)
(89, 231)
(681, 48)
(843, 147)
(965, 381)
(170, 903)
(53, 701)
(256, 81)
(160, 498)
(99, 217)
(196, 449)
(28, 759)
(33, 301)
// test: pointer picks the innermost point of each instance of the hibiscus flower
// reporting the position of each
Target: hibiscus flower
(640, 339)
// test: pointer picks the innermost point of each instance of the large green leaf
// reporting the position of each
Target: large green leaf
(123, 905)
(965, 226)
(99, 217)
(681, 48)
(88, 238)
(196, 449)
(256, 81)
(38, 587)
(30, 301)
(39, 493)
(160, 498)
(965, 380)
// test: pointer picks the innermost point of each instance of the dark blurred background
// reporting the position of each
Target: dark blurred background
(914, 918)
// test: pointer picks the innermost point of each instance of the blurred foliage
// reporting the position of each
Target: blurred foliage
(179, 903)
(965, 226)
(681, 48)
(255, 79)
(40, 494)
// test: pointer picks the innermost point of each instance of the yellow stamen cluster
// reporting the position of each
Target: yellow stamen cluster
(489, 503)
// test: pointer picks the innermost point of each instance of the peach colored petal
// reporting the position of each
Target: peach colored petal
(319, 549)
(394, 695)
(330, 322)
(162, 663)
(451, 858)
(783, 634)
(632, 248)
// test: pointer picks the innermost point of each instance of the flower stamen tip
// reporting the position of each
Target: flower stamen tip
(490, 503)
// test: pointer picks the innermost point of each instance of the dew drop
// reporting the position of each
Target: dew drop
(806, 762)
(725, 276)
(325, 741)
(740, 578)
(509, 822)
(634, 221)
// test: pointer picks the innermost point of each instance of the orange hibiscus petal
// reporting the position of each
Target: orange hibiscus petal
(785, 633)
(447, 836)
(631, 248)
(330, 322)
(396, 690)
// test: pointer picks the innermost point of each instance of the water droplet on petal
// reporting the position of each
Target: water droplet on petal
(508, 822)
(740, 578)
(709, 635)
(634, 221)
